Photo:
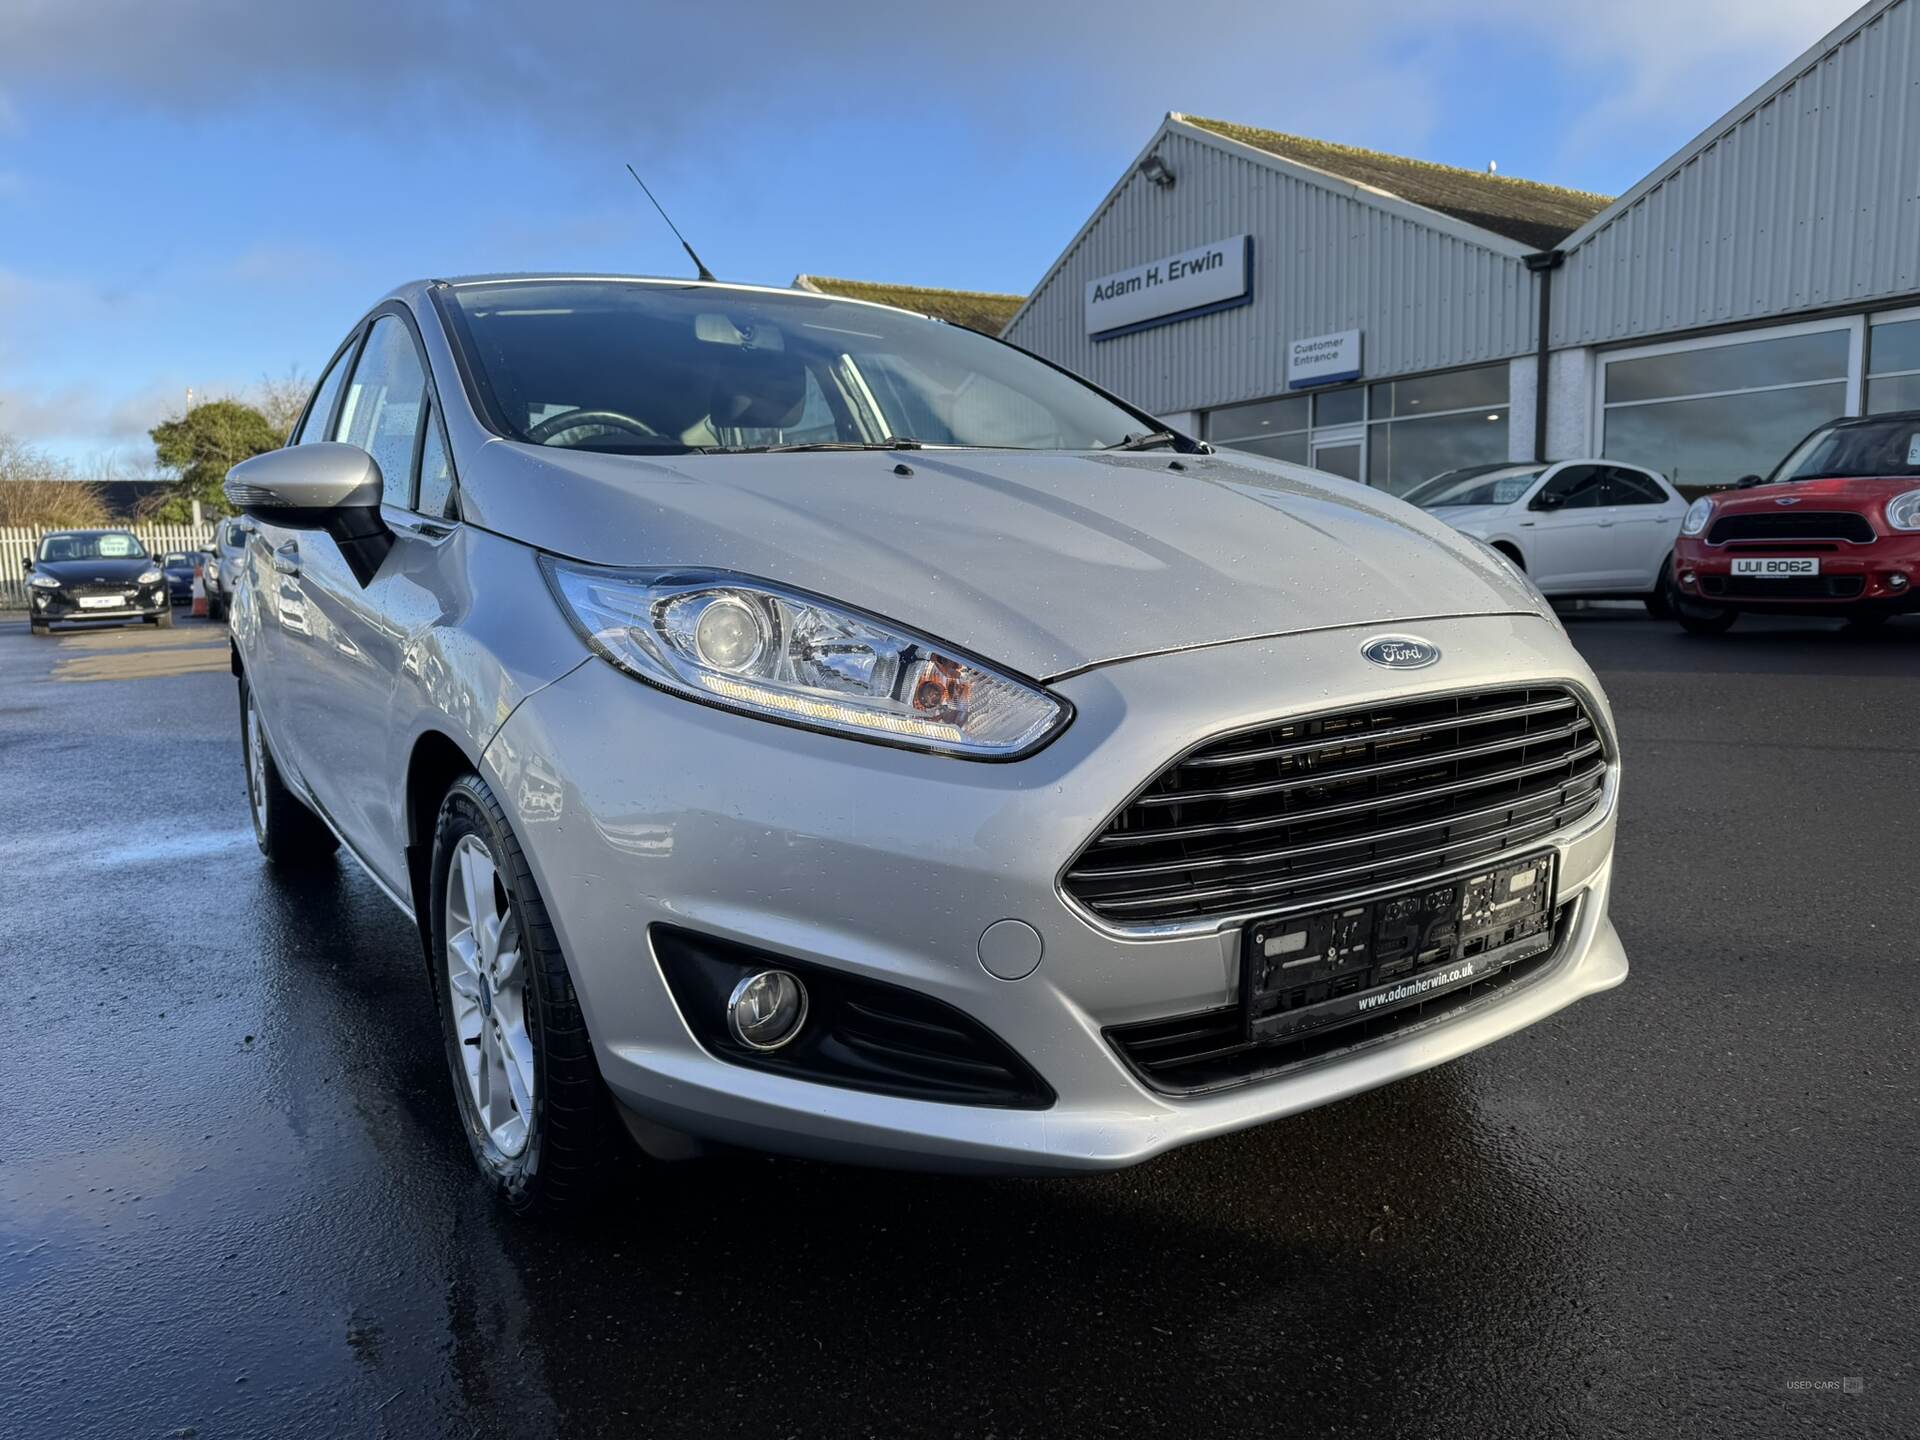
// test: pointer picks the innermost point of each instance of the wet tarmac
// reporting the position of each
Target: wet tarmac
(234, 1201)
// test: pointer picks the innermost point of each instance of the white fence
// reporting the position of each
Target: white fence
(20, 542)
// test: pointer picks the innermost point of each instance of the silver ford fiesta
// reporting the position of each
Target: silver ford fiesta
(799, 724)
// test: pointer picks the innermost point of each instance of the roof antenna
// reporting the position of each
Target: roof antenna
(698, 264)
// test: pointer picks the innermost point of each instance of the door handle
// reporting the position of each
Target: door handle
(286, 559)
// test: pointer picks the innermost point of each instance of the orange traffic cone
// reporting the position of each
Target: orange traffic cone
(199, 594)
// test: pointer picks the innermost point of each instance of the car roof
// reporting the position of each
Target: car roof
(668, 282)
(1849, 422)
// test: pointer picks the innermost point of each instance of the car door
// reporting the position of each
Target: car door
(361, 639)
(1566, 545)
(269, 620)
(1646, 521)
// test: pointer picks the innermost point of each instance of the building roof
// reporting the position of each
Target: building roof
(984, 310)
(1523, 210)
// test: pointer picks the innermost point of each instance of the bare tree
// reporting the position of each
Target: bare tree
(37, 489)
(282, 400)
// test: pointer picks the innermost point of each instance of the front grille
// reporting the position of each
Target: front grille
(1793, 525)
(1196, 1053)
(1784, 587)
(1340, 803)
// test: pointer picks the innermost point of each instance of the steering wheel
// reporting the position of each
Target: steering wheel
(579, 419)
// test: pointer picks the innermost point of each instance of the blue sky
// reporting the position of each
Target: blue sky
(207, 192)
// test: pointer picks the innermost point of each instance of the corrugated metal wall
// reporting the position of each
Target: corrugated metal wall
(1322, 262)
(1811, 200)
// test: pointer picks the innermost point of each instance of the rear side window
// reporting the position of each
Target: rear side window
(314, 426)
(384, 405)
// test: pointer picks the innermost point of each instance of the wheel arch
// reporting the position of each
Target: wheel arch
(436, 761)
(1511, 551)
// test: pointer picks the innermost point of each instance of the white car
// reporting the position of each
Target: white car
(1581, 529)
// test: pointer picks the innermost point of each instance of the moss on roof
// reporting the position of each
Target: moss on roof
(1524, 210)
(982, 310)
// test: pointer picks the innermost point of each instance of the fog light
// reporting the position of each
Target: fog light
(1896, 581)
(1686, 577)
(767, 1009)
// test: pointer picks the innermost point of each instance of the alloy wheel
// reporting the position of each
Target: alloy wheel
(486, 979)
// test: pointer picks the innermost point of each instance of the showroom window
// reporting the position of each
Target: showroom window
(1893, 363)
(1394, 432)
(1277, 428)
(1706, 412)
(1419, 427)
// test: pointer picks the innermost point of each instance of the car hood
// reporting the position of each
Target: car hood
(84, 572)
(1862, 492)
(1044, 562)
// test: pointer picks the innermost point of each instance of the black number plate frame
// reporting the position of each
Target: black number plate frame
(1306, 971)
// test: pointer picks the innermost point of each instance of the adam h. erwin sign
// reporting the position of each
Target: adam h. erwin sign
(1206, 278)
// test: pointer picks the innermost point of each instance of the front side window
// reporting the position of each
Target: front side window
(1578, 487)
(637, 368)
(1630, 487)
(1880, 448)
(110, 545)
(384, 404)
(436, 474)
(314, 425)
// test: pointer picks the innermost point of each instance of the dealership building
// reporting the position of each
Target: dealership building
(1386, 319)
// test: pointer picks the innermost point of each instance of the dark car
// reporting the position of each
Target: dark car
(180, 566)
(1834, 530)
(95, 575)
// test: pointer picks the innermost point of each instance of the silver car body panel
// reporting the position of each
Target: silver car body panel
(801, 844)
(1166, 606)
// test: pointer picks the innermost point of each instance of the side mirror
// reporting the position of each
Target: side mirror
(1747, 482)
(1547, 501)
(324, 486)
(26, 562)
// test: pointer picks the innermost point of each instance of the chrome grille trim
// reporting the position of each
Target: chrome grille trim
(1151, 871)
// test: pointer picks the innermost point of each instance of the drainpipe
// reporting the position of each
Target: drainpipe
(1543, 265)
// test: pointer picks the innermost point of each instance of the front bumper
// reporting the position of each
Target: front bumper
(56, 606)
(1881, 575)
(636, 808)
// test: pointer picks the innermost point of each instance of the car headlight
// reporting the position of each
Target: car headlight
(781, 654)
(43, 582)
(150, 577)
(1903, 511)
(1697, 516)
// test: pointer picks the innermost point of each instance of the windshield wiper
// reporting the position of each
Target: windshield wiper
(1152, 440)
(892, 442)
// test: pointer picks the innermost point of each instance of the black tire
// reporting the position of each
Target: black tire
(574, 1144)
(1698, 619)
(289, 834)
(165, 618)
(39, 627)
(216, 609)
(1867, 622)
(1659, 600)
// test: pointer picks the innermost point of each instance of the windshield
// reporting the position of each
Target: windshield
(107, 545)
(1472, 487)
(178, 561)
(1878, 448)
(640, 368)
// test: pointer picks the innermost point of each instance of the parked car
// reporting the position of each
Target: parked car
(1834, 530)
(94, 575)
(797, 723)
(220, 565)
(1581, 529)
(181, 566)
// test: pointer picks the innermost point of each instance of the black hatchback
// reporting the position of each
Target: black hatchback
(95, 575)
